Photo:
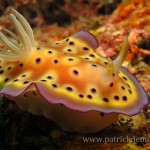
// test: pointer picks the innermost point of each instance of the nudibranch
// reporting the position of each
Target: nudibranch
(67, 82)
